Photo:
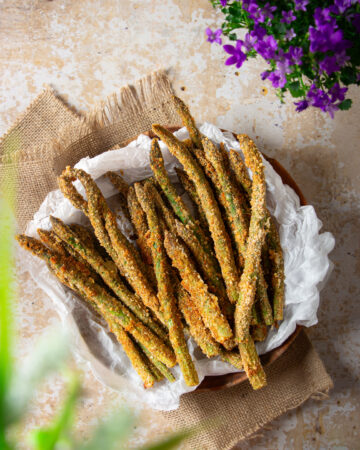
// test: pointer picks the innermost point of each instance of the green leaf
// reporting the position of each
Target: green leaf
(48, 356)
(48, 438)
(111, 433)
(345, 105)
(296, 89)
(7, 294)
(170, 442)
(348, 75)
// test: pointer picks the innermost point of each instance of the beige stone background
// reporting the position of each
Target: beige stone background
(87, 49)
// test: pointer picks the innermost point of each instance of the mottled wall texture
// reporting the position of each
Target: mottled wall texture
(87, 49)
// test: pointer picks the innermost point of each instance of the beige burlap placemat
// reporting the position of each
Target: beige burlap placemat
(49, 136)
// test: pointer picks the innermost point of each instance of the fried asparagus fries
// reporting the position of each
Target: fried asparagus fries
(184, 275)
(165, 290)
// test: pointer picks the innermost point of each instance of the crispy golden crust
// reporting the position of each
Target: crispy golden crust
(233, 198)
(137, 360)
(108, 306)
(165, 289)
(191, 280)
(111, 279)
(219, 235)
(207, 262)
(123, 188)
(119, 248)
(189, 187)
(197, 328)
(277, 271)
(188, 121)
(175, 200)
(257, 233)
(275, 253)
(240, 171)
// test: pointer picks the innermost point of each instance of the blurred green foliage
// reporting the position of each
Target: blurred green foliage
(18, 385)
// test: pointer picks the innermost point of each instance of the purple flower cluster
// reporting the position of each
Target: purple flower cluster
(259, 14)
(320, 53)
(214, 36)
(326, 35)
(327, 101)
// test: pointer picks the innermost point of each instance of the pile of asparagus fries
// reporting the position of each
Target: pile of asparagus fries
(217, 274)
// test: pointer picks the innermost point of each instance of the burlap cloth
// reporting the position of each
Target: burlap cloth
(49, 136)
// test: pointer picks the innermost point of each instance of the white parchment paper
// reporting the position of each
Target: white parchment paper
(306, 267)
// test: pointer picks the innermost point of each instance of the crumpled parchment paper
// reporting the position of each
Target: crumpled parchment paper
(306, 268)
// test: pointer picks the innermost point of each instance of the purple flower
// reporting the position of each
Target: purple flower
(342, 58)
(301, 105)
(329, 65)
(337, 93)
(250, 6)
(322, 16)
(290, 34)
(258, 32)
(278, 79)
(356, 22)
(268, 10)
(320, 99)
(249, 42)
(340, 6)
(300, 5)
(237, 55)
(214, 36)
(288, 17)
(266, 47)
(223, 2)
(282, 62)
(294, 55)
(326, 38)
(265, 74)
(260, 15)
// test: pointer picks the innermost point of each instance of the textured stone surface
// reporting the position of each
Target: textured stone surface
(87, 49)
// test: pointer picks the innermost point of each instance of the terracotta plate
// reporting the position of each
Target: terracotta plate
(212, 383)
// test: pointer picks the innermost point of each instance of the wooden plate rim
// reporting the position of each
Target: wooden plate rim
(213, 383)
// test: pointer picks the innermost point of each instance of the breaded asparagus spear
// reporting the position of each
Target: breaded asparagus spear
(200, 333)
(259, 332)
(258, 228)
(110, 237)
(50, 239)
(219, 234)
(108, 306)
(240, 171)
(53, 241)
(235, 207)
(206, 262)
(209, 272)
(206, 303)
(165, 290)
(188, 121)
(123, 189)
(197, 328)
(189, 187)
(140, 364)
(159, 365)
(233, 200)
(138, 219)
(272, 239)
(277, 272)
(118, 181)
(175, 200)
(114, 281)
